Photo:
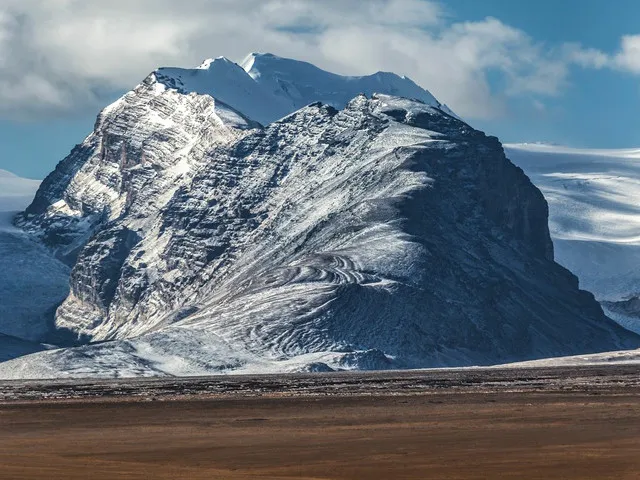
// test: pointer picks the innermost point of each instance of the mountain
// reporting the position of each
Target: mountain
(594, 204)
(384, 234)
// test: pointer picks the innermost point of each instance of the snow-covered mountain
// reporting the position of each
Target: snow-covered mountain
(297, 84)
(594, 205)
(266, 88)
(385, 233)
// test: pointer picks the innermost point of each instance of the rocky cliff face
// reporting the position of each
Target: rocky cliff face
(386, 234)
(143, 147)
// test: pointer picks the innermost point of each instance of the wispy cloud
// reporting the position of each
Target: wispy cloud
(585, 57)
(57, 55)
(626, 58)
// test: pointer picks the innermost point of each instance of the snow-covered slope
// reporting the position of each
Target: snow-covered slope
(32, 283)
(228, 83)
(297, 84)
(621, 357)
(266, 87)
(594, 204)
(389, 234)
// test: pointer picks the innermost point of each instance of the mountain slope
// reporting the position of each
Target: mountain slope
(594, 202)
(389, 234)
(297, 84)
(143, 148)
(12, 347)
(228, 83)
(32, 283)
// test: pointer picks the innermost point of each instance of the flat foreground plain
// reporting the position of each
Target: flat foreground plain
(569, 423)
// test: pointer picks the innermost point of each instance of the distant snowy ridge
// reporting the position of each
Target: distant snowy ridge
(621, 357)
(32, 283)
(594, 206)
(15, 194)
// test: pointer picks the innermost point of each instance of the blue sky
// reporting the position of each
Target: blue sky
(599, 108)
(563, 71)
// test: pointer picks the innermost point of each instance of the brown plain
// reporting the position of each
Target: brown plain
(422, 436)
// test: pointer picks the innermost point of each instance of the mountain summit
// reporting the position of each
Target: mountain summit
(269, 217)
(300, 83)
(266, 87)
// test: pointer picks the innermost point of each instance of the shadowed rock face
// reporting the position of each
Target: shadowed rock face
(387, 234)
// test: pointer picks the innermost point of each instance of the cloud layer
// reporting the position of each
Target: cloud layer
(61, 56)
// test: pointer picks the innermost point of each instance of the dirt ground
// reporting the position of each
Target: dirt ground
(422, 436)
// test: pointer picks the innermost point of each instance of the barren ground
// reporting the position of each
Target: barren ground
(569, 423)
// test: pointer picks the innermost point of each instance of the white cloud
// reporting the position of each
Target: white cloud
(628, 58)
(56, 54)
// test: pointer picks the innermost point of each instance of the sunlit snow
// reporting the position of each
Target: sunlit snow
(594, 215)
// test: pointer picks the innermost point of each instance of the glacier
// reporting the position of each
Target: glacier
(270, 216)
(32, 283)
(594, 203)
